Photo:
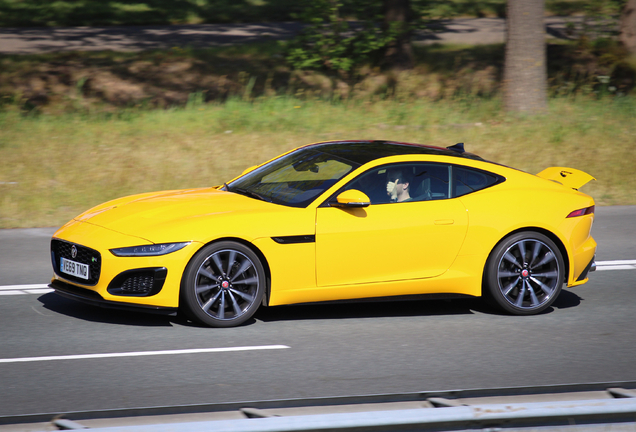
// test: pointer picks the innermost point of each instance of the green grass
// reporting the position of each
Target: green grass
(77, 129)
(52, 167)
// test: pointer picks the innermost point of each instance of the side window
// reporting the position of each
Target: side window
(372, 183)
(467, 180)
(404, 182)
(430, 182)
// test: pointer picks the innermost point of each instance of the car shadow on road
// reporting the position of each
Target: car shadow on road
(370, 309)
(567, 299)
(396, 308)
(86, 312)
(318, 311)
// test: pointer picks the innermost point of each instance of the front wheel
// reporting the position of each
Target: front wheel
(524, 273)
(223, 285)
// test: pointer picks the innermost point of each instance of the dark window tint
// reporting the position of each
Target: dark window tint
(467, 180)
(362, 152)
(427, 181)
(430, 182)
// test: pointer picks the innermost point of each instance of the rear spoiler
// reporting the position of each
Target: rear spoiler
(569, 177)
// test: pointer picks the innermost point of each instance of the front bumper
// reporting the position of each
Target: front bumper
(147, 281)
(93, 298)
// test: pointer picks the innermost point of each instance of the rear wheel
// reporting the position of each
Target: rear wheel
(524, 273)
(223, 285)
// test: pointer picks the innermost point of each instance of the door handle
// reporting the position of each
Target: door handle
(444, 222)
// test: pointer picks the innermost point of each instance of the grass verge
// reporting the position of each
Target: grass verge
(54, 167)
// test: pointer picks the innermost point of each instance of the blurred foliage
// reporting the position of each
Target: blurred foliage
(600, 18)
(330, 43)
(112, 81)
(345, 35)
(599, 67)
(459, 8)
(89, 12)
(20, 13)
(16, 13)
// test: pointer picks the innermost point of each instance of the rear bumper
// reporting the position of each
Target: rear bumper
(590, 267)
(583, 277)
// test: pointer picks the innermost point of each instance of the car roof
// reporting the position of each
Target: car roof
(362, 152)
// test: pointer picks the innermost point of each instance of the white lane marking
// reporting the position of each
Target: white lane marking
(38, 312)
(142, 353)
(627, 262)
(25, 289)
(616, 265)
(44, 288)
(40, 291)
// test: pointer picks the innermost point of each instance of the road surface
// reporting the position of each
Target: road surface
(57, 355)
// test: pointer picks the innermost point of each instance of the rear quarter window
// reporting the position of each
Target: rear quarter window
(468, 180)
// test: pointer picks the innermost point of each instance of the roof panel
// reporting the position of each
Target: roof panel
(362, 152)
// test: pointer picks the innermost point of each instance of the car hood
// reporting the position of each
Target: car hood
(169, 214)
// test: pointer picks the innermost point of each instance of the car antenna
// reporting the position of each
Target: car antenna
(459, 147)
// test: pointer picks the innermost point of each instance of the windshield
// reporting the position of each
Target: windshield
(295, 179)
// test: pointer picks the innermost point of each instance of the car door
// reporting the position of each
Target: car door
(392, 241)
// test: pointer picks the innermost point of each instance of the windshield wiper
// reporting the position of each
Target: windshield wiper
(252, 194)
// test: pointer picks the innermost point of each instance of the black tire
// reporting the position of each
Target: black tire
(223, 285)
(524, 273)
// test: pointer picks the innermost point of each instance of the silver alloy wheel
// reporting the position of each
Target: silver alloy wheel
(226, 284)
(529, 274)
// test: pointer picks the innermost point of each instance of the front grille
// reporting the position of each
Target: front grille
(85, 255)
(138, 282)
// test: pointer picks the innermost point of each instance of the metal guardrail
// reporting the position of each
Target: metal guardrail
(461, 417)
(610, 402)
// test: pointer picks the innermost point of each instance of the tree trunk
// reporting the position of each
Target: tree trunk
(525, 69)
(397, 16)
(628, 26)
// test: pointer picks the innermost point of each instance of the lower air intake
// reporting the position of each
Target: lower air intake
(138, 282)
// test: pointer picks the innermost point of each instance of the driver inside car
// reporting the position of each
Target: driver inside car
(398, 185)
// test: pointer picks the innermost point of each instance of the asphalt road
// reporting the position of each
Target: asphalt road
(136, 38)
(333, 350)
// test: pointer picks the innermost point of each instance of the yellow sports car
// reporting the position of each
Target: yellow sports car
(335, 221)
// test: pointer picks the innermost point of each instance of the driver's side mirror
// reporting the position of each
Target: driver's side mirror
(352, 198)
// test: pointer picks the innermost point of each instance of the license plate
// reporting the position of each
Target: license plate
(74, 268)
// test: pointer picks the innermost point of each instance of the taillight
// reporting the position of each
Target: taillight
(582, 212)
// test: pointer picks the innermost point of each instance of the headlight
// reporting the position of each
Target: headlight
(148, 250)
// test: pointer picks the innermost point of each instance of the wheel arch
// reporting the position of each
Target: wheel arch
(557, 241)
(254, 249)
